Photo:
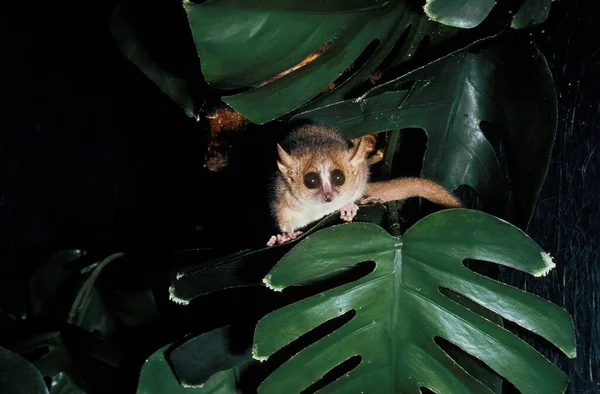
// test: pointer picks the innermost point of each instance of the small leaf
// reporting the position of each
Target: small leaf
(19, 376)
(157, 377)
(199, 358)
(465, 14)
(532, 12)
(400, 310)
(88, 311)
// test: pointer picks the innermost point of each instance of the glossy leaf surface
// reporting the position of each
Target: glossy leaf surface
(468, 14)
(244, 44)
(496, 83)
(199, 277)
(465, 14)
(400, 309)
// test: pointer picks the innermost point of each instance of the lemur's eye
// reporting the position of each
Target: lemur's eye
(312, 180)
(337, 177)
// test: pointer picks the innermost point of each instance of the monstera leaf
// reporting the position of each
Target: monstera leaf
(494, 85)
(283, 54)
(401, 311)
(247, 44)
(198, 276)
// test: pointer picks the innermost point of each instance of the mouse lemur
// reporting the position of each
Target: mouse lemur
(320, 172)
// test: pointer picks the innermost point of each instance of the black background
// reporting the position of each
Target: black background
(94, 156)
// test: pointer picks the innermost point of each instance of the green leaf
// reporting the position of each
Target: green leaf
(198, 358)
(158, 377)
(198, 277)
(497, 82)
(19, 376)
(465, 14)
(73, 360)
(244, 43)
(533, 12)
(88, 310)
(400, 309)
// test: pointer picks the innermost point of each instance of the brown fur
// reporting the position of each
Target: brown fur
(403, 188)
(315, 149)
(320, 149)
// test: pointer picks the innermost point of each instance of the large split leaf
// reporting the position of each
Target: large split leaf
(495, 82)
(198, 276)
(246, 43)
(401, 309)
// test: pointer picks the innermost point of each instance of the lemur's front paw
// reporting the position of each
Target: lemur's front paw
(348, 212)
(281, 238)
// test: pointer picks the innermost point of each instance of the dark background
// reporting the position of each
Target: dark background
(94, 156)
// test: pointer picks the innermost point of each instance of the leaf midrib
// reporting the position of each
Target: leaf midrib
(397, 272)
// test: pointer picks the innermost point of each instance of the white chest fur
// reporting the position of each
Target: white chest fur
(312, 212)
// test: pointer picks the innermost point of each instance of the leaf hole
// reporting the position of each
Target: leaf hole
(471, 305)
(493, 270)
(397, 70)
(396, 49)
(492, 134)
(408, 159)
(530, 337)
(422, 48)
(469, 197)
(538, 342)
(337, 278)
(314, 335)
(382, 68)
(334, 374)
(48, 382)
(35, 354)
(482, 267)
(416, 5)
(353, 68)
(408, 162)
(472, 365)
(425, 390)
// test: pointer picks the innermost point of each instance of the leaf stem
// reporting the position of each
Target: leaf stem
(394, 141)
